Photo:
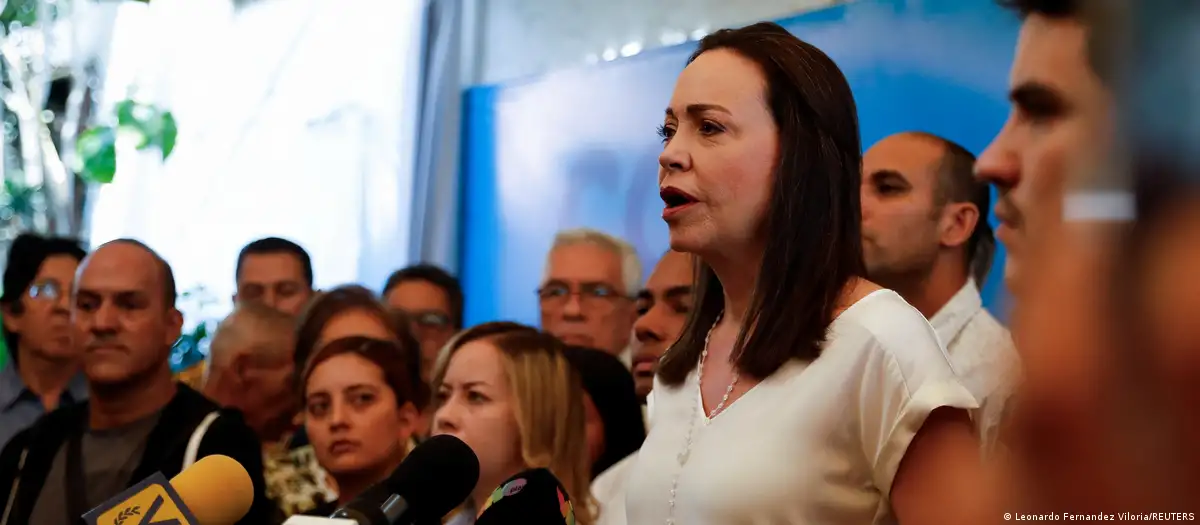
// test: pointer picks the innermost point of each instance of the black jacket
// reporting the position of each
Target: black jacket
(228, 435)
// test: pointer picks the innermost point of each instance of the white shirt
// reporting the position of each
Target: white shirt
(982, 352)
(608, 489)
(815, 443)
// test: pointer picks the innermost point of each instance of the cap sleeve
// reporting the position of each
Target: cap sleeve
(902, 384)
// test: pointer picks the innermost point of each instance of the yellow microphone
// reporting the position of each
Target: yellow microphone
(216, 490)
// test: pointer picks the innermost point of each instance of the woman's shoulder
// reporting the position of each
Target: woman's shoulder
(883, 322)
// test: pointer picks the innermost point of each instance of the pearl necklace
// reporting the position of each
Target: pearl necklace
(687, 445)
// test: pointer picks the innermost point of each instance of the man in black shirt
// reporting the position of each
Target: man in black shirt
(138, 420)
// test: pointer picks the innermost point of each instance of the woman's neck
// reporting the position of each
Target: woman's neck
(352, 485)
(119, 405)
(46, 378)
(738, 275)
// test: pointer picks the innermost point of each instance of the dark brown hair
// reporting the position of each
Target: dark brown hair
(1105, 21)
(329, 304)
(813, 219)
(389, 356)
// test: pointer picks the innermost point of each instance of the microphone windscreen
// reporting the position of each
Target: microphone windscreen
(217, 489)
(437, 476)
(533, 497)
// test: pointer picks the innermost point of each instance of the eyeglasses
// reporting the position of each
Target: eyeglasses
(429, 319)
(591, 295)
(46, 291)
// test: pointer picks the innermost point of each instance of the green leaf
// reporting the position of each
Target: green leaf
(152, 126)
(97, 150)
(19, 198)
(23, 12)
(124, 111)
(168, 131)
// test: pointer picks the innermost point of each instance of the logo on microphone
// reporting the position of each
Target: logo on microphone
(152, 502)
(515, 487)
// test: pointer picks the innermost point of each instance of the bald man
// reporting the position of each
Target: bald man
(926, 236)
(137, 420)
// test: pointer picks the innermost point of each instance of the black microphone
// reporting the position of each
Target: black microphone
(437, 476)
(533, 497)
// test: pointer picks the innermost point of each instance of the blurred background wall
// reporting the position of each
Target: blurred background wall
(577, 146)
(378, 133)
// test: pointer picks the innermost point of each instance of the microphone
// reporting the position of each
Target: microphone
(533, 497)
(216, 490)
(437, 476)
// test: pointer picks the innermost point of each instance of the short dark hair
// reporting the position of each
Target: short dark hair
(436, 276)
(169, 291)
(1046, 8)
(1102, 21)
(956, 182)
(269, 245)
(328, 304)
(25, 257)
(813, 220)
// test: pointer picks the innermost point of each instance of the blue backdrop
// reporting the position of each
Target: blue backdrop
(578, 147)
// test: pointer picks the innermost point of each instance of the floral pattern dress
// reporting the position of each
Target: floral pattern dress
(295, 481)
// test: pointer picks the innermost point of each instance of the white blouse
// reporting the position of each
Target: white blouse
(815, 443)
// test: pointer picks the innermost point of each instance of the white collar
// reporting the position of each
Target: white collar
(957, 312)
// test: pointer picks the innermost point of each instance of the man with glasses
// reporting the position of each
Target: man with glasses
(432, 301)
(44, 370)
(587, 295)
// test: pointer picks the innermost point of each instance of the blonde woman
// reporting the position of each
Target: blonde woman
(508, 391)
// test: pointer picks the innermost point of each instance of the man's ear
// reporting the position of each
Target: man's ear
(12, 317)
(174, 325)
(239, 367)
(957, 224)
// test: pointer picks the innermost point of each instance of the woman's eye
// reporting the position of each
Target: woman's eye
(666, 132)
(708, 128)
(317, 410)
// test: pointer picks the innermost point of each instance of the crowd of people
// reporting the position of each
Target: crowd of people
(812, 349)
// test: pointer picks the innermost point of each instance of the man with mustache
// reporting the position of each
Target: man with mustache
(1083, 429)
(137, 420)
(926, 236)
(1058, 128)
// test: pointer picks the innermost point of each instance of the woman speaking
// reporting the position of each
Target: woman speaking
(798, 392)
